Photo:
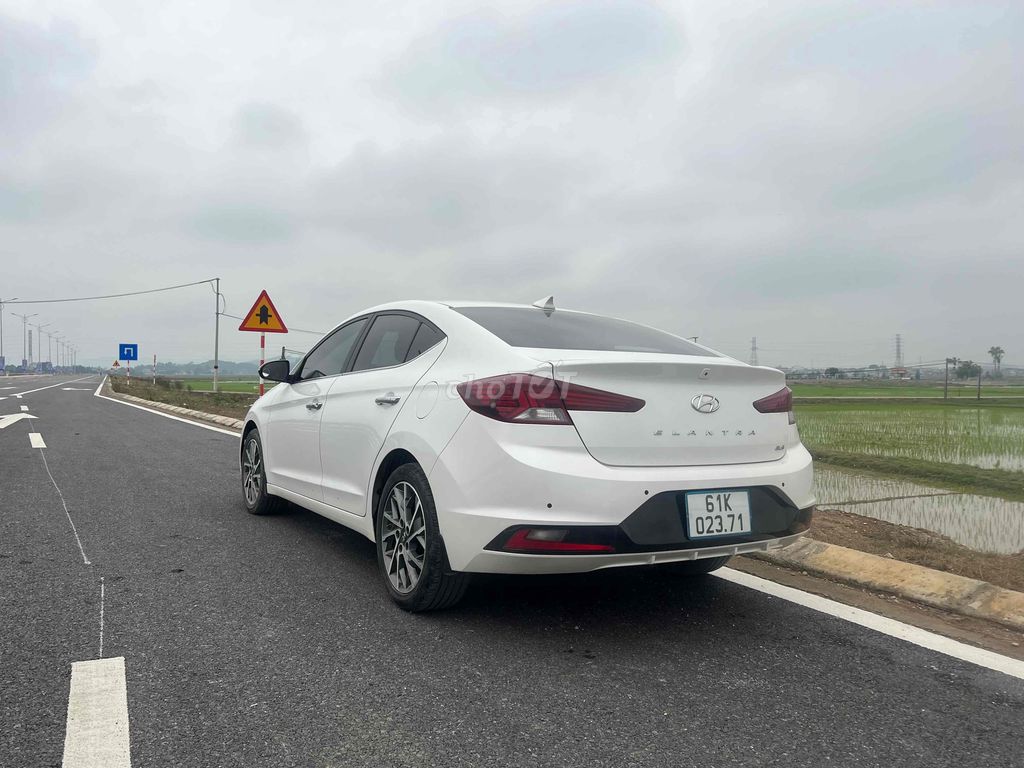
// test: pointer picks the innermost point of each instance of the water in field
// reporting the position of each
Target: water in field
(990, 438)
(979, 522)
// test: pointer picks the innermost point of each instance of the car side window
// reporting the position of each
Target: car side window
(387, 342)
(329, 358)
(426, 337)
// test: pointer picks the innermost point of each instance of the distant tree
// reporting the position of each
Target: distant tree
(997, 359)
(833, 373)
(968, 369)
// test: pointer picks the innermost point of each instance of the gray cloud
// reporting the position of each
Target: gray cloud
(821, 175)
(488, 56)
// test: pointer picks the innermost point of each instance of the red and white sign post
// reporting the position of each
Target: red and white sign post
(263, 318)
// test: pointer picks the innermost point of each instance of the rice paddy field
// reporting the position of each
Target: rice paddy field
(984, 437)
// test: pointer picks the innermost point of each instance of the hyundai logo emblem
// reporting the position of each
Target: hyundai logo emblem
(705, 403)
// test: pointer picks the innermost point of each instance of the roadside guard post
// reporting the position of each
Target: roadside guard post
(128, 352)
(263, 318)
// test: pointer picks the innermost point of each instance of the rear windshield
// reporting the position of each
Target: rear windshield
(523, 327)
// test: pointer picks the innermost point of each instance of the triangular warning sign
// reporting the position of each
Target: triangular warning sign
(115, 364)
(263, 317)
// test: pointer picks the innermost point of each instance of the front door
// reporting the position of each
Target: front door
(292, 445)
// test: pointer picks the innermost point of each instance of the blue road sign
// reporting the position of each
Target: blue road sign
(128, 352)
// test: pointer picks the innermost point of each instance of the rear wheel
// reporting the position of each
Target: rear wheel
(410, 552)
(254, 478)
(694, 567)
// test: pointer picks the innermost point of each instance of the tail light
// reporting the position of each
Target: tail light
(780, 402)
(527, 399)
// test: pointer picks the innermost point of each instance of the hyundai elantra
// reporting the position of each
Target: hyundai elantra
(473, 437)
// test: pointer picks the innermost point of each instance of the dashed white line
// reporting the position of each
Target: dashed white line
(96, 735)
(23, 407)
(36, 440)
(886, 626)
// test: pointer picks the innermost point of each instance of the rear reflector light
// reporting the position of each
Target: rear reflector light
(550, 541)
(527, 399)
(780, 402)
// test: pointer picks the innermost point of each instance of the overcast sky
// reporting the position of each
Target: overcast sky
(821, 175)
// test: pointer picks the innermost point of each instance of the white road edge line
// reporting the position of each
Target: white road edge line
(210, 427)
(96, 734)
(887, 626)
(36, 440)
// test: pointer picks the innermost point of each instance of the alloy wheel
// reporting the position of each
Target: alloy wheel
(404, 537)
(252, 474)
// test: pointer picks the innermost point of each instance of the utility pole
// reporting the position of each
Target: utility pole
(216, 335)
(945, 387)
(979, 381)
(899, 351)
(753, 351)
(49, 347)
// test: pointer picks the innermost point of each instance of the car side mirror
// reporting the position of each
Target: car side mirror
(275, 370)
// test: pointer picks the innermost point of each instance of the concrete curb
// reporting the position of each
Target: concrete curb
(938, 589)
(223, 421)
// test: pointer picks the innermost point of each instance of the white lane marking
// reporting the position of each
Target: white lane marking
(23, 407)
(58, 384)
(75, 389)
(210, 427)
(36, 439)
(102, 597)
(14, 418)
(97, 724)
(74, 530)
(891, 627)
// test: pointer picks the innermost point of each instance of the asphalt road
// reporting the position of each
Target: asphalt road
(271, 642)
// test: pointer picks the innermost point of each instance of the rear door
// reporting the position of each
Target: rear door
(363, 404)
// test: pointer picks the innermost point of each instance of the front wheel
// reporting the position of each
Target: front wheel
(254, 478)
(410, 552)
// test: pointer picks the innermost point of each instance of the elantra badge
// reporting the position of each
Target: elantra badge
(705, 403)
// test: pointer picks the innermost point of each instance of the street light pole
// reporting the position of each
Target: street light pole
(24, 336)
(2, 331)
(39, 339)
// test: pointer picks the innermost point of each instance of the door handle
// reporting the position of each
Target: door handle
(314, 406)
(389, 399)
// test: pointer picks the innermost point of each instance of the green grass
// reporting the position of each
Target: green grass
(249, 386)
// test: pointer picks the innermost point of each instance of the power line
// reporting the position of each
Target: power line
(109, 296)
(291, 328)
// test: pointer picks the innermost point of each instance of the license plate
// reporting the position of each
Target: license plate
(717, 513)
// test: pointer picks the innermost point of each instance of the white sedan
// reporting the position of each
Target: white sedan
(471, 437)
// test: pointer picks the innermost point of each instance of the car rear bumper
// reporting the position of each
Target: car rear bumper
(494, 476)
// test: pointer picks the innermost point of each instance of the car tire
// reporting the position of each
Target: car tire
(407, 533)
(694, 567)
(254, 478)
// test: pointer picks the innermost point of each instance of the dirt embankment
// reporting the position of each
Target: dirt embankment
(914, 545)
(222, 404)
